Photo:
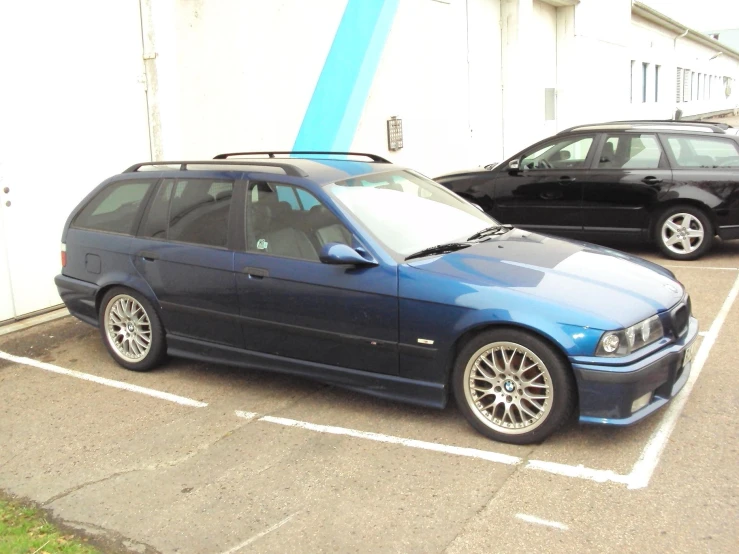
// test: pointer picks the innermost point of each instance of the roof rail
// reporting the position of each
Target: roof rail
(374, 157)
(289, 169)
(707, 125)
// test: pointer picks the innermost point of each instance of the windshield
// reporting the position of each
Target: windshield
(407, 212)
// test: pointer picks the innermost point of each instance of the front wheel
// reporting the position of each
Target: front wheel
(131, 329)
(684, 233)
(513, 387)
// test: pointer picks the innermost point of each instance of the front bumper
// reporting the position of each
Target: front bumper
(606, 395)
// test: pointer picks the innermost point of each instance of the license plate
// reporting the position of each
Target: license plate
(690, 353)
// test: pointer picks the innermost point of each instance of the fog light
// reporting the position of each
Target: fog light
(640, 402)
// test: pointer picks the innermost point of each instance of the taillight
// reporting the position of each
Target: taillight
(64, 255)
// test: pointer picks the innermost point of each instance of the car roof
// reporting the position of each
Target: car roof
(319, 167)
(653, 125)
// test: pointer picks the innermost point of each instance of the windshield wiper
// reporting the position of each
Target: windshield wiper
(494, 230)
(438, 249)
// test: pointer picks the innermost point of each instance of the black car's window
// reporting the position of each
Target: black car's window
(630, 151)
(283, 220)
(190, 210)
(564, 153)
(114, 208)
(703, 152)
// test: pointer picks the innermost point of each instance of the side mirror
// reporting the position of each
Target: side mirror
(514, 166)
(336, 253)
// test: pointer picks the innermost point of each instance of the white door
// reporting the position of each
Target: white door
(73, 112)
(7, 310)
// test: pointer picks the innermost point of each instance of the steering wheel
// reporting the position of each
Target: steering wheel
(543, 164)
(733, 161)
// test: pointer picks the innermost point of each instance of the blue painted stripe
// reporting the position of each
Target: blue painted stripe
(338, 100)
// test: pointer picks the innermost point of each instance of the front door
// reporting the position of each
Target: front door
(182, 251)
(75, 115)
(546, 192)
(630, 173)
(293, 305)
(6, 293)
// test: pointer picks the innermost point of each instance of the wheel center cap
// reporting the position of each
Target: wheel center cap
(130, 327)
(509, 385)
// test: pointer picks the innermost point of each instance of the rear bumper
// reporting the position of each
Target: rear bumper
(606, 397)
(79, 297)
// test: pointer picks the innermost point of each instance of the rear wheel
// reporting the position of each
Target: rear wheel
(683, 232)
(131, 329)
(513, 387)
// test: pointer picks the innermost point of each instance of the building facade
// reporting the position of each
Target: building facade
(96, 86)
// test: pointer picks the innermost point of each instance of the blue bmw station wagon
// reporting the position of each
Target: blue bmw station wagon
(359, 273)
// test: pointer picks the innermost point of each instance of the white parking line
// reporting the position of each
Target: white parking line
(647, 462)
(539, 521)
(714, 268)
(260, 535)
(103, 381)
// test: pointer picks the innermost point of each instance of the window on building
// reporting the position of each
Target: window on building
(656, 82)
(679, 85)
(644, 73)
(631, 82)
(114, 209)
(686, 86)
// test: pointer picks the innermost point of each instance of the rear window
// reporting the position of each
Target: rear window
(114, 209)
(703, 152)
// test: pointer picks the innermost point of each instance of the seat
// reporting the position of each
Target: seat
(327, 227)
(289, 242)
(607, 156)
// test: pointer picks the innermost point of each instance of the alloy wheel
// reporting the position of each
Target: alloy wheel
(682, 233)
(128, 328)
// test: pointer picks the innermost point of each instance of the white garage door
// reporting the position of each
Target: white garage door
(72, 112)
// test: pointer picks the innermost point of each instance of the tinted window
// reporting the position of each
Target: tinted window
(630, 152)
(278, 223)
(703, 152)
(565, 153)
(192, 210)
(114, 209)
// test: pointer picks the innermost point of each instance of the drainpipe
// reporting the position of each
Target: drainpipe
(678, 111)
(151, 79)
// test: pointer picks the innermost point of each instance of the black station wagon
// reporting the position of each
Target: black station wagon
(673, 183)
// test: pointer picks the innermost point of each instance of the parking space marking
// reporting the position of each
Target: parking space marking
(103, 381)
(702, 267)
(258, 536)
(647, 462)
(533, 519)
(579, 472)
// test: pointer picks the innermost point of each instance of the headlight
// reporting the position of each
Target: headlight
(625, 341)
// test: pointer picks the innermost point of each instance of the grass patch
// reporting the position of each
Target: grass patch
(26, 531)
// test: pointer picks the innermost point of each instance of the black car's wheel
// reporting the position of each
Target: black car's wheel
(683, 232)
(513, 387)
(131, 329)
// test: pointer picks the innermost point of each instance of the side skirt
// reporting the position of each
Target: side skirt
(392, 387)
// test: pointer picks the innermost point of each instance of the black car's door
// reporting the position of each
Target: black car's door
(294, 306)
(545, 193)
(630, 171)
(181, 250)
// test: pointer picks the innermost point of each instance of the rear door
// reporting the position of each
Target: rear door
(294, 306)
(630, 172)
(546, 192)
(182, 250)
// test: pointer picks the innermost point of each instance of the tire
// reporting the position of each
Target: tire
(128, 322)
(683, 232)
(549, 398)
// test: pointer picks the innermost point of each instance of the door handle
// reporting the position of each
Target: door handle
(149, 256)
(566, 179)
(651, 180)
(255, 272)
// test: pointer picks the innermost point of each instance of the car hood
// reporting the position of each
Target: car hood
(578, 276)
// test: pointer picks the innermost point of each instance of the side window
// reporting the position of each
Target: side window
(703, 152)
(114, 208)
(565, 153)
(274, 225)
(190, 210)
(630, 151)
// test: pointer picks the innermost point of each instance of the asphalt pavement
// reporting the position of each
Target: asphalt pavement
(201, 458)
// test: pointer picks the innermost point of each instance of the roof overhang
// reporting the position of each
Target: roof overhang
(561, 3)
(650, 14)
